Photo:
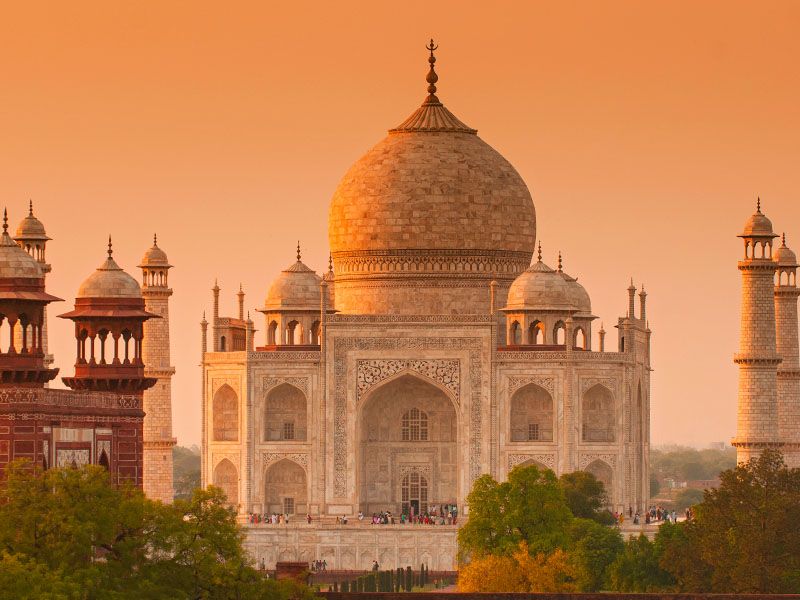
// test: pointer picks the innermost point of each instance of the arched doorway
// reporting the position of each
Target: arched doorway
(285, 414)
(285, 488)
(407, 425)
(226, 477)
(599, 416)
(225, 415)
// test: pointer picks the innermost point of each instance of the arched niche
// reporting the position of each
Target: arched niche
(406, 424)
(226, 477)
(285, 416)
(604, 474)
(285, 488)
(599, 416)
(531, 415)
(225, 415)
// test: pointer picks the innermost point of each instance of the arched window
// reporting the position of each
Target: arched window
(604, 474)
(580, 339)
(225, 411)
(536, 333)
(285, 488)
(227, 479)
(559, 332)
(531, 415)
(414, 426)
(222, 344)
(515, 334)
(285, 414)
(104, 461)
(599, 418)
(272, 331)
(414, 492)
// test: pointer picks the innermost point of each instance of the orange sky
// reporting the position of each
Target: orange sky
(644, 130)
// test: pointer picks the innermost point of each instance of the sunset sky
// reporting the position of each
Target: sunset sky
(645, 131)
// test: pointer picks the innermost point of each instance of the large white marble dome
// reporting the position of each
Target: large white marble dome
(426, 219)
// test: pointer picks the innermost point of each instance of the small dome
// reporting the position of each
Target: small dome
(297, 287)
(784, 256)
(758, 224)
(578, 295)
(14, 261)
(109, 281)
(155, 256)
(31, 228)
(540, 288)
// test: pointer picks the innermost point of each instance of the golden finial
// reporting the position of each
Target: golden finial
(298, 250)
(758, 205)
(540, 251)
(110, 249)
(560, 269)
(783, 240)
(330, 262)
(30, 207)
(5, 220)
(155, 239)
(432, 77)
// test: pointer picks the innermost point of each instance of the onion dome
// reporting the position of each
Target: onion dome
(784, 256)
(109, 281)
(540, 288)
(758, 225)
(433, 213)
(296, 288)
(15, 263)
(31, 228)
(155, 256)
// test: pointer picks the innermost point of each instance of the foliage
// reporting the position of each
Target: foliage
(593, 548)
(745, 537)
(520, 572)
(185, 471)
(685, 464)
(585, 495)
(528, 507)
(69, 533)
(637, 568)
(686, 498)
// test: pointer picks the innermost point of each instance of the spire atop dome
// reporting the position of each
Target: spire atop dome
(758, 205)
(432, 115)
(110, 249)
(5, 221)
(540, 251)
(560, 266)
(30, 207)
(298, 250)
(432, 77)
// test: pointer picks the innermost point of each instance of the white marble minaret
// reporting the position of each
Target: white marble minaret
(158, 440)
(757, 423)
(786, 294)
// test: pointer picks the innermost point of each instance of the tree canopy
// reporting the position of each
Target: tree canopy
(70, 533)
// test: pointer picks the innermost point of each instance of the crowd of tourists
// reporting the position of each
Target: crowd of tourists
(267, 519)
(319, 566)
(443, 514)
(655, 514)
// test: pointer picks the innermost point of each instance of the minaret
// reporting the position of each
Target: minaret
(158, 440)
(32, 238)
(758, 360)
(786, 294)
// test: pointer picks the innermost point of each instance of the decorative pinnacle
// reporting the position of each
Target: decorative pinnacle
(432, 77)
(110, 249)
(643, 293)
(298, 250)
(758, 205)
(560, 269)
(30, 208)
(155, 239)
(540, 251)
(5, 220)
(330, 262)
(783, 240)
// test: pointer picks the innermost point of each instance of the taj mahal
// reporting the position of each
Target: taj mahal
(437, 346)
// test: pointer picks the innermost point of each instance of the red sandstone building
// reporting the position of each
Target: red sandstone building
(99, 420)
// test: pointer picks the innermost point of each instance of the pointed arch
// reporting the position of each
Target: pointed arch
(559, 333)
(226, 477)
(225, 415)
(285, 488)
(531, 415)
(604, 473)
(103, 461)
(536, 333)
(599, 415)
(285, 413)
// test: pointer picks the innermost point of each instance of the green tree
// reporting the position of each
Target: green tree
(686, 498)
(585, 495)
(745, 536)
(528, 507)
(185, 471)
(593, 548)
(679, 555)
(637, 568)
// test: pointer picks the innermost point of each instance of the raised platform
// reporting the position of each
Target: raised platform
(354, 546)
